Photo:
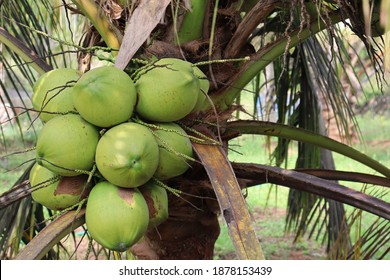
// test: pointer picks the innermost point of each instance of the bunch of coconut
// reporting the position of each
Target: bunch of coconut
(111, 139)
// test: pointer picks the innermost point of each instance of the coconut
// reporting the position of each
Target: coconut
(52, 93)
(174, 146)
(56, 192)
(157, 200)
(127, 155)
(105, 96)
(167, 90)
(116, 217)
(67, 144)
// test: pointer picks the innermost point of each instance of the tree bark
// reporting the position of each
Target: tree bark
(191, 229)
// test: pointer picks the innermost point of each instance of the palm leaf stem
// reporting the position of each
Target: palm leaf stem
(254, 17)
(311, 184)
(337, 175)
(24, 52)
(224, 97)
(42, 243)
(305, 136)
(231, 201)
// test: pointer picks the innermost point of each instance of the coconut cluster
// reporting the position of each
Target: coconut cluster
(123, 132)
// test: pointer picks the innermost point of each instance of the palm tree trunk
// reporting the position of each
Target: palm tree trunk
(191, 229)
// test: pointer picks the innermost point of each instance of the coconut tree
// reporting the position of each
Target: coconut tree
(287, 54)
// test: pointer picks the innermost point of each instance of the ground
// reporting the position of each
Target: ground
(276, 244)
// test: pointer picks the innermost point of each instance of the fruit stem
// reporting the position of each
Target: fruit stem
(227, 60)
(59, 213)
(203, 139)
(91, 174)
(117, 255)
(45, 183)
(166, 146)
(168, 188)
(90, 243)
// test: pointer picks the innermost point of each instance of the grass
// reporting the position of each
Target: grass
(269, 225)
(266, 203)
(15, 152)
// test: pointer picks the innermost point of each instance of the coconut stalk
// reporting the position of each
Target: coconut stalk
(110, 34)
(192, 25)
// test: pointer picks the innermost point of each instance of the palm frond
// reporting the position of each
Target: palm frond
(308, 75)
(32, 37)
(13, 221)
(301, 204)
(34, 42)
(366, 240)
(50, 236)
(323, 79)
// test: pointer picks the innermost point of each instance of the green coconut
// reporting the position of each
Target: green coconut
(175, 147)
(167, 90)
(116, 217)
(105, 96)
(67, 144)
(127, 155)
(52, 93)
(56, 192)
(156, 198)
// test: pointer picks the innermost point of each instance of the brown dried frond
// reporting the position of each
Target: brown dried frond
(111, 9)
